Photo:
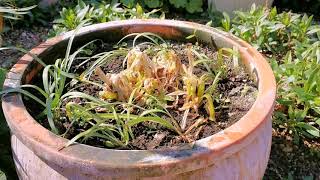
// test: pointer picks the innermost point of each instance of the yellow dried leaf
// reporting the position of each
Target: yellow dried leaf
(108, 95)
(1, 23)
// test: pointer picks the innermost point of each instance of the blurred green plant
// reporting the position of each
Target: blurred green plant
(292, 44)
(70, 18)
(37, 15)
(8, 11)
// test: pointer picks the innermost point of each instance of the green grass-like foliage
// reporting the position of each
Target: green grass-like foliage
(292, 44)
(152, 83)
(10, 12)
(140, 93)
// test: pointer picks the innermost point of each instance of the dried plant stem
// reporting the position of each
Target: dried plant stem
(103, 77)
(1, 22)
(200, 121)
(184, 119)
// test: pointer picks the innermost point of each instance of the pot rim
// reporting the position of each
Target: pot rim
(204, 152)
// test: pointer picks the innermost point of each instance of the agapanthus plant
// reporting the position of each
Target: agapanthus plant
(153, 83)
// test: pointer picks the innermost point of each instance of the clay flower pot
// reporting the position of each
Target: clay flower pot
(238, 152)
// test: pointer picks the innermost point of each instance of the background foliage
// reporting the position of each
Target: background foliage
(301, 6)
(93, 13)
(291, 42)
(38, 15)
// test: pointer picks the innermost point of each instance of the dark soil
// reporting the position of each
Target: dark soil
(23, 38)
(299, 159)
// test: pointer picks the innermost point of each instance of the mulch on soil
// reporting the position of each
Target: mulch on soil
(299, 160)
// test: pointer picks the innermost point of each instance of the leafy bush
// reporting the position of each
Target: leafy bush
(292, 45)
(88, 14)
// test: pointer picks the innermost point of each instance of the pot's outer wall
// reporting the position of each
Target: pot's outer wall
(238, 152)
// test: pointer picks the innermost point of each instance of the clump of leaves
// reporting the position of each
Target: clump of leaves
(88, 14)
(296, 70)
(298, 100)
(267, 30)
(156, 78)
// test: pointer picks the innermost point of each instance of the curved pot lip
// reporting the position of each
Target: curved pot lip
(48, 146)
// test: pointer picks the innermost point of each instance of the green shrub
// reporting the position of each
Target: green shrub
(292, 45)
(88, 14)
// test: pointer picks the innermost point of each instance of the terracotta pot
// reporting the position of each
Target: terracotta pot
(238, 152)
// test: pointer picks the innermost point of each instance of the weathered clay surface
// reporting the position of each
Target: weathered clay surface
(248, 163)
(238, 152)
(28, 165)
